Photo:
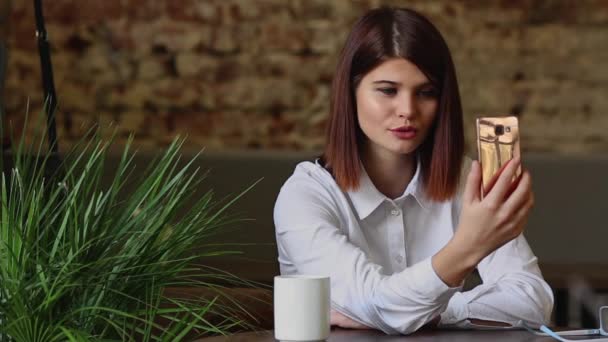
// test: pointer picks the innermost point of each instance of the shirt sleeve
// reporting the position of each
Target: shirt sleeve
(513, 290)
(310, 240)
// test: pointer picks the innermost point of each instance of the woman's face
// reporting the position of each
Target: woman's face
(396, 107)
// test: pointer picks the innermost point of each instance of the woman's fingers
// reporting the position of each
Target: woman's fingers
(338, 319)
(520, 195)
(500, 189)
(472, 187)
(520, 217)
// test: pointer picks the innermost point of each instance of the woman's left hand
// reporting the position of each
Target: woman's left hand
(483, 322)
(339, 320)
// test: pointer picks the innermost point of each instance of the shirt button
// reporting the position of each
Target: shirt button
(395, 212)
(399, 258)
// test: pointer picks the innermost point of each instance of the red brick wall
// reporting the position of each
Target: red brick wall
(256, 73)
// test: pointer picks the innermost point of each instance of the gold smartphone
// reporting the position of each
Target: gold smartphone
(497, 143)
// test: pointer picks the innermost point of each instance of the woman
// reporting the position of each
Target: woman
(385, 211)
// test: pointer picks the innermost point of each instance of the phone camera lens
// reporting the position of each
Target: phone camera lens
(499, 130)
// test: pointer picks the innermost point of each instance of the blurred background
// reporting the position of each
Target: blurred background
(249, 80)
(256, 74)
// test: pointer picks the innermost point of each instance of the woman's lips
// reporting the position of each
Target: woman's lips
(405, 132)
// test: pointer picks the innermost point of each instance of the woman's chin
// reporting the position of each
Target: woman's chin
(404, 150)
(405, 147)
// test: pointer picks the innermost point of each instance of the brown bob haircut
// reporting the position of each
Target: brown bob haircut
(379, 35)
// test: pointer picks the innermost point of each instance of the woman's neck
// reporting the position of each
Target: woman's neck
(389, 172)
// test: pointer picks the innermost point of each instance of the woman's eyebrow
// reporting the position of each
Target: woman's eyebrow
(387, 81)
(417, 86)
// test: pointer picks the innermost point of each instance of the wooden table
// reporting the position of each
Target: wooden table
(340, 335)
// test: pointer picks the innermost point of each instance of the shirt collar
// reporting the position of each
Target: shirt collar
(416, 187)
(367, 198)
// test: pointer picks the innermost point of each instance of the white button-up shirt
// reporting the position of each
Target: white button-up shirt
(378, 252)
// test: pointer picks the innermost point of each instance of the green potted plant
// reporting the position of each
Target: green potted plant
(81, 261)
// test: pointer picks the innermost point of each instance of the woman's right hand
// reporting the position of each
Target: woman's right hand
(339, 320)
(485, 224)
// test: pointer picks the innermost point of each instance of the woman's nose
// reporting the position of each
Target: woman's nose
(406, 107)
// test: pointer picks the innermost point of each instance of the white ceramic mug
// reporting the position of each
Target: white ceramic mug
(302, 307)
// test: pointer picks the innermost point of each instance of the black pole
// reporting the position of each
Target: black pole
(48, 85)
(5, 10)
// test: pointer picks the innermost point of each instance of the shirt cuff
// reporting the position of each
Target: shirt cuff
(457, 310)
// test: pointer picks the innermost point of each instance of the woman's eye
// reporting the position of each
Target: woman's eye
(431, 93)
(388, 91)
